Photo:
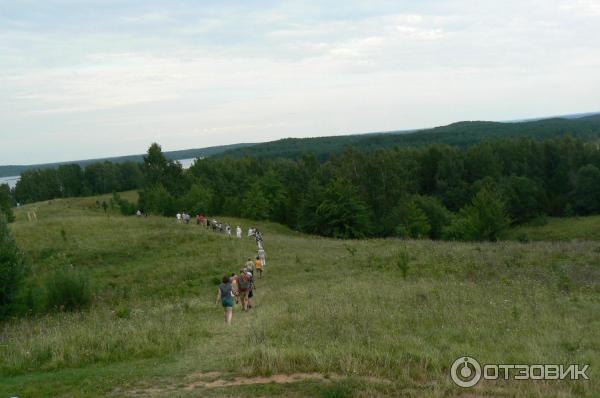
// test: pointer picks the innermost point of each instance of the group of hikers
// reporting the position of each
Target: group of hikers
(235, 288)
(239, 288)
(216, 226)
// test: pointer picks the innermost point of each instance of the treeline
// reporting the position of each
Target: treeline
(461, 134)
(436, 191)
(72, 180)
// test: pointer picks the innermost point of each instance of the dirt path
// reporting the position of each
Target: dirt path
(218, 380)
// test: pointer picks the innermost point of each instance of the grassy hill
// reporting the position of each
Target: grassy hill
(459, 134)
(331, 319)
(15, 170)
(559, 229)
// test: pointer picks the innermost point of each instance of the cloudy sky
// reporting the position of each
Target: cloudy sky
(82, 79)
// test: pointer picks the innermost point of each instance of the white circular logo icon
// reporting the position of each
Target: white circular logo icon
(465, 372)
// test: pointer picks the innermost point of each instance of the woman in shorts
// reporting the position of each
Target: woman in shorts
(225, 294)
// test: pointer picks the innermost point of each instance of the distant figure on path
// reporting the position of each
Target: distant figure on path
(244, 283)
(238, 232)
(235, 287)
(251, 291)
(228, 229)
(263, 257)
(249, 263)
(250, 231)
(259, 266)
(258, 235)
(178, 216)
(225, 295)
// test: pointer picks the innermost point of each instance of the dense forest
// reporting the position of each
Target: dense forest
(437, 191)
(73, 180)
(461, 134)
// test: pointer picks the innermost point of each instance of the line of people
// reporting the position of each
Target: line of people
(239, 288)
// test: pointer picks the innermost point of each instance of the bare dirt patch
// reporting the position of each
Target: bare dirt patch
(218, 380)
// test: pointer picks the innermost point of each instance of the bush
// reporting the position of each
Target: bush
(484, 219)
(68, 290)
(125, 207)
(12, 269)
(6, 203)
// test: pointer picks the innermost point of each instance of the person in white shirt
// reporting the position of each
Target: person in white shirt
(178, 217)
(238, 232)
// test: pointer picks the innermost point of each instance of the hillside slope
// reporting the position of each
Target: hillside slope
(332, 318)
(459, 134)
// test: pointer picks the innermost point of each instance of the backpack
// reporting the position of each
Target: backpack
(244, 282)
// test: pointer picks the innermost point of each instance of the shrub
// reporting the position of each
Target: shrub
(403, 262)
(484, 219)
(12, 269)
(6, 203)
(125, 207)
(68, 290)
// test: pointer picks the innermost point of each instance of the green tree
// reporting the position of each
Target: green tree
(414, 223)
(586, 195)
(12, 269)
(311, 199)
(155, 165)
(198, 199)
(158, 200)
(71, 180)
(255, 205)
(525, 198)
(6, 203)
(438, 217)
(484, 219)
(342, 214)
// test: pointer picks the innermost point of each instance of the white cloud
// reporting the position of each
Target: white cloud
(194, 76)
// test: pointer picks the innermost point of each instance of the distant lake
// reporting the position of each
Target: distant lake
(186, 163)
(12, 181)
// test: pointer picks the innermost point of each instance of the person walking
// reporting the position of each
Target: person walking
(258, 265)
(263, 256)
(244, 283)
(235, 287)
(238, 232)
(249, 263)
(225, 295)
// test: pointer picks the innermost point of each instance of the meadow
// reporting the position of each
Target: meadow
(332, 318)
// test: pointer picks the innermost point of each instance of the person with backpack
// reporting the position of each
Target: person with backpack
(258, 265)
(225, 295)
(235, 287)
(251, 291)
(244, 285)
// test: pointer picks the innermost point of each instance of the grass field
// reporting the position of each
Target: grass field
(560, 229)
(331, 319)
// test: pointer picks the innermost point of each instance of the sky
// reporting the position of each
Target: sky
(85, 79)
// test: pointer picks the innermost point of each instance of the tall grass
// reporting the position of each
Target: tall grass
(333, 307)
